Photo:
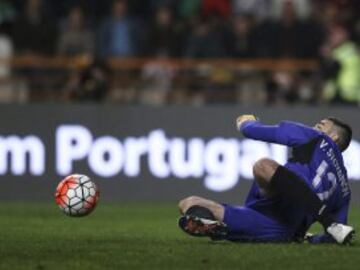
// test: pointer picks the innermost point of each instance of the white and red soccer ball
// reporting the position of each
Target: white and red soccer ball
(77, 195)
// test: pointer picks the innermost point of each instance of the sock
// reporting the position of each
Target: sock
(201, 212)
(293, 188)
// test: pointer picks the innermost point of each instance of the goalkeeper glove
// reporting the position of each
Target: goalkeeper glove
(243, 118)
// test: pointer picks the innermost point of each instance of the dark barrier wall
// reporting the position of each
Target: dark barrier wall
(144, 154)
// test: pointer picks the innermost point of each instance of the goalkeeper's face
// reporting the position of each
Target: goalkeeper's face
(327, 126)
(324, 126)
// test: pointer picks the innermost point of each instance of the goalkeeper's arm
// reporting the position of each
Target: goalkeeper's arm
(286, 133)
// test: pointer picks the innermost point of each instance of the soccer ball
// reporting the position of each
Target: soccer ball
(76, 195)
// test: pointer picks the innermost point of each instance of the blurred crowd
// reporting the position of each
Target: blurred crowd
(325, 30)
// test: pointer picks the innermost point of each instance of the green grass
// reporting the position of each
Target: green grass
(38, 236)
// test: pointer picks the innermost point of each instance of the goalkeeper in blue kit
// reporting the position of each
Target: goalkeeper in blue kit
(285, 200)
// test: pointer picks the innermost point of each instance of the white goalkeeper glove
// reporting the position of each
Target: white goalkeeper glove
(243, 118)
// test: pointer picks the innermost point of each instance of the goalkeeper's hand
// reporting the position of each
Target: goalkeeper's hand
(243, 118)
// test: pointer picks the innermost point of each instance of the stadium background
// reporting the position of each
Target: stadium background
(160, 173)
(143, 86)
(126, 68)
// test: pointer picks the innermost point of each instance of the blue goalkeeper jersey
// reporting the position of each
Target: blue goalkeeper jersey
(316, 159)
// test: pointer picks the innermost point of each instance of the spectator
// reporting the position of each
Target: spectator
(313, 33)
(219, 8)
(155, 5)
(343, 10)
(356, 24)
(7, 15)
(281, 88)
(33, 32)
(264, 34)
(241, 41)
(188, 9)
(292, 38)
(280, 36)
(90, 84)
(341, 67)
(206, 40)
(75, 38)
(328, 13)
(117, 34)
(288, 33)
(257, 8)
(301, 7)
(6, 52)
(163, 37)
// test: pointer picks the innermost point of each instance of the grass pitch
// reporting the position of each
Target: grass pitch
(38, 236)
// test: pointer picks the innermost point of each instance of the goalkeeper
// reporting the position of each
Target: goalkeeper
(285, 200)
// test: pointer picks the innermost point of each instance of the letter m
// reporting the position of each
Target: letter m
(16, 151)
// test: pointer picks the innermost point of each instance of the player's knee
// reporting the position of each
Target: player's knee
(264, 168)
(186, 203)
(259, 168)
(181, 204)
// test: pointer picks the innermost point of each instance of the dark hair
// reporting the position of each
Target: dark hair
(344, 131)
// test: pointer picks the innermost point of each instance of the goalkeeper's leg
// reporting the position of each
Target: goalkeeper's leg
(202, 217)
(215, 208)
(274, 179)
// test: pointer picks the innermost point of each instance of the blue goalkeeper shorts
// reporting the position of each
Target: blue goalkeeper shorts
(247, 225)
